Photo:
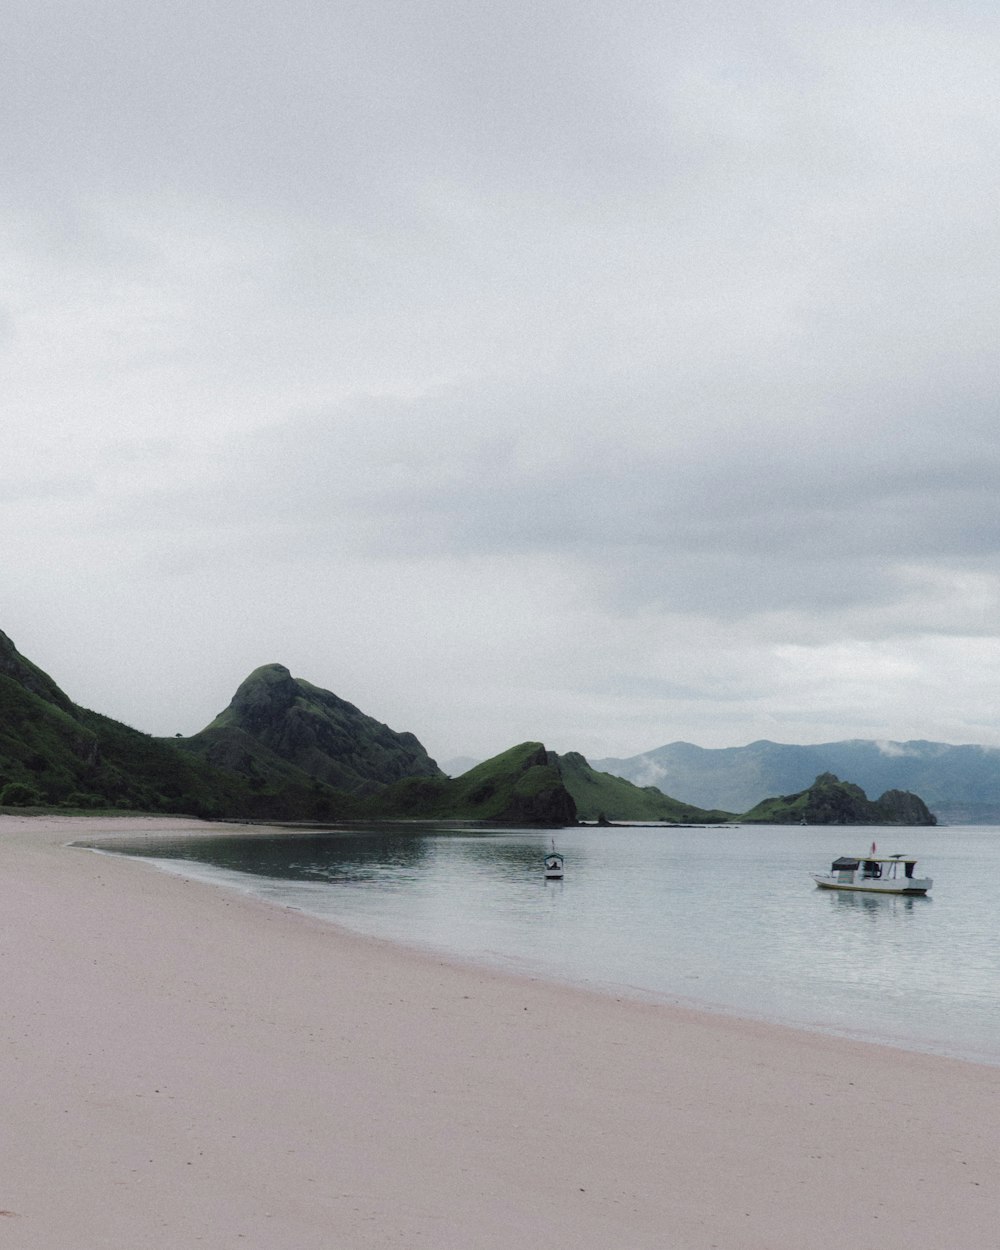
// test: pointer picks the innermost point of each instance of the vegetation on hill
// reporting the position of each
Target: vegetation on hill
(520, 786)
(274, 754)
(55, 753)
(961, 784)
(276, 722)
(830, 801)
(287, 750)
(602, 795)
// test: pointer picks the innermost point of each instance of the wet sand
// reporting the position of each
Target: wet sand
(185, 1066)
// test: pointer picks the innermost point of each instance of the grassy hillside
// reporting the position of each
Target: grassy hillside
(55, 753)
(601, 794)
(269, 756)
(287, 750)
(520, 786)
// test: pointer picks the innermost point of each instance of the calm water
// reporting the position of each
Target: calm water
(722, 918)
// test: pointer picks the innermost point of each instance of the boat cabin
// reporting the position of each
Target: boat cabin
(872, 869)
(554, 866)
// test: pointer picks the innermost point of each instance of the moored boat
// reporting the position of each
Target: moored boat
(553, 866)
(876, 874)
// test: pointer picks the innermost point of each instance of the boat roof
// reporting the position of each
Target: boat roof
(882, 859)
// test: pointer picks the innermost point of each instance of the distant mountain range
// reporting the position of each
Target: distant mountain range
(960, 784)
(285, 749)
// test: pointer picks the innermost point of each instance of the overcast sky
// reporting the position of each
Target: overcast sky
(599, 373)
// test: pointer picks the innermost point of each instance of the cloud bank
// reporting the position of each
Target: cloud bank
(607, 374)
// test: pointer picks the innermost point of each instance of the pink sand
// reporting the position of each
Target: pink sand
(183, 1066)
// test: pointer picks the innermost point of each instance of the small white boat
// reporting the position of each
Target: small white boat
(553, 866)
(876, 874)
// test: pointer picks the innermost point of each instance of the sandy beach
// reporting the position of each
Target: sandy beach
(186, 1066)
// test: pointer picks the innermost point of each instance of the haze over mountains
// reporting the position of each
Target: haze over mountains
(961, 784)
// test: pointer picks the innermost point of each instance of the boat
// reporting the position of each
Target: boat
(875, 874)
(553, 865)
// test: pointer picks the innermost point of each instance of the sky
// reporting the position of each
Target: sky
(603, 374)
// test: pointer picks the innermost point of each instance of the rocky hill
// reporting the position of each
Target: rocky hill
(276, 721)
(830, 801)
(285, 749)
(55, 753)
(960, 783)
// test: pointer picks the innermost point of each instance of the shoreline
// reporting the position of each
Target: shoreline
(501, 966)
(518, 964)
(190, 1064)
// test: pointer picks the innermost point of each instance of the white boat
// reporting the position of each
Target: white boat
(553, 866)
(876, 874)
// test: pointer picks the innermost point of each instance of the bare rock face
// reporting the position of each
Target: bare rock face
(541, 798)
(551, 805)
(317, 732)
(900, 807)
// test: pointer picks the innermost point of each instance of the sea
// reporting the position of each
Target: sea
(723, 919)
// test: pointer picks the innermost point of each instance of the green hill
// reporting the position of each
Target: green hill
(520, 786)
(55, 753)
(599, 794)
(278, 726)
(287, 750)
(283, 750)
(830, 801)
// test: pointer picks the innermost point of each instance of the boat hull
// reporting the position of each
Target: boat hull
(910, 885)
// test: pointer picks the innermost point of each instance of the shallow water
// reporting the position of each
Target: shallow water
(727, 918)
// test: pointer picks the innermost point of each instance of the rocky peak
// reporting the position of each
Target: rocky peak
(268, 693)
(318, 732)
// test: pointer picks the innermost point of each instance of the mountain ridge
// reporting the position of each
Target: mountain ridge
(960, 783)
(286, 749)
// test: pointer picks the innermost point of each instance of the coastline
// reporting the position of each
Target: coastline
(188, 1065)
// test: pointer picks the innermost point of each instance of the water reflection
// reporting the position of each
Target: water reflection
(728, 918)
(338, 856)
(330, 857)
(876, 906)
(498, 856)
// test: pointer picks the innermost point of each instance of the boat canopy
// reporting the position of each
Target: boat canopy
(847, 861)
(872, 864)
(846, 864)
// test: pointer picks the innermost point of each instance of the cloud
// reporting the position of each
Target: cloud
(636, 363)
(896, 750)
